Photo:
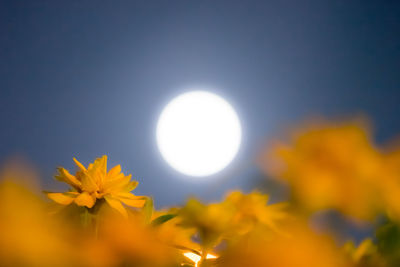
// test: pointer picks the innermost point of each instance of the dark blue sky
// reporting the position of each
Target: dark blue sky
(87, 78)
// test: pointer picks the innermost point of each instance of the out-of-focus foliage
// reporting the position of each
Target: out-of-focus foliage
(389, 183)
(388, 238)
(100, 223)
(365, 255)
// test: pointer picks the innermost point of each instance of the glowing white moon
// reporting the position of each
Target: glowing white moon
(198, 133)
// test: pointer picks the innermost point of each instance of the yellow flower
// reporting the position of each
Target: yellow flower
(300, 248)
(329, 166)
(95, 183)
(29, 236)
(136, 244)
(228, 220)
(252, 210)
(211, 220)
(171, 232)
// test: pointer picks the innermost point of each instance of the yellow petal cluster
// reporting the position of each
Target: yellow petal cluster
(94, 183)
(329, 166)
(211, 220)
(301, 248)
(251, 210)
(237, 215)
(135, 244)
(29, 236)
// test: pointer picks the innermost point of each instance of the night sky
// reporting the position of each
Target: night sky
(87, 78)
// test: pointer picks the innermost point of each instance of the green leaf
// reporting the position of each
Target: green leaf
(388, 237)
(162, 219)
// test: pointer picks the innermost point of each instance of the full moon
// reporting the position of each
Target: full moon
(198, 133)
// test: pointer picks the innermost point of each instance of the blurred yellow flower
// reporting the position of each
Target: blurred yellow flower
(329, 166)
(301, 248)
(94, 183)
(135, 244)
(252, 210)
(172, 234)
(211, 220)
(228, 220)
(28, 235)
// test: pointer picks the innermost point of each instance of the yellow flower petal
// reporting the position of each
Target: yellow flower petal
(88, 183)
(114, 171)
(110, 181)
(117, 184)
(131, 186)
(100, 170)
(63, 198)
(131, 200)
(103, 164)
(68, 178)
(116, 204)
(85, 199)
(96, 178)
(79, 165)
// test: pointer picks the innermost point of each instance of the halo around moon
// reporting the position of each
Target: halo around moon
(198, 133)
